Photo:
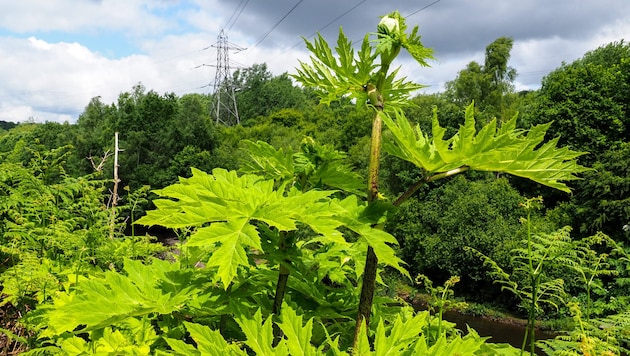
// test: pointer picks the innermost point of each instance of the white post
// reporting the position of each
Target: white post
(112, 222)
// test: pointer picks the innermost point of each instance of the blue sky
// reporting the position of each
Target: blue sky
(111, 44)
(55, 55)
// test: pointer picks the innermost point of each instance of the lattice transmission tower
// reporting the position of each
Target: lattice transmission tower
(224, 108)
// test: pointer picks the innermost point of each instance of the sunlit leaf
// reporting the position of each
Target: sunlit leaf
(504, 149)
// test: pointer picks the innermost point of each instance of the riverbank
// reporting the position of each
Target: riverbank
(499, 326)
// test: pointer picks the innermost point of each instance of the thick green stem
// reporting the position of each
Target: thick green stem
(409, 192)
(283, 276)
(224, 317)
(375, 154)
(371, 261)
(281, 285)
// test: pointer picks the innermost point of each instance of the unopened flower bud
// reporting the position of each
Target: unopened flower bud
(388, 26)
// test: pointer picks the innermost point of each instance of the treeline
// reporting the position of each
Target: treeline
(586, 101)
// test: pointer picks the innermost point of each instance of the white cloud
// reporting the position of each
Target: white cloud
(56, 80)
(72, 16)
(51, 80)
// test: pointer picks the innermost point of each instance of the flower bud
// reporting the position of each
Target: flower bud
(388, 26)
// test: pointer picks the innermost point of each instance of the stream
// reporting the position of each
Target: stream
(499, 331)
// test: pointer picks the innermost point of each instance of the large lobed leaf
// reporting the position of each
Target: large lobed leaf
(227, 210)
(234, 205)
(337, 76)
(314, 166)
(100, 302)
(497, 149)
(345, 74)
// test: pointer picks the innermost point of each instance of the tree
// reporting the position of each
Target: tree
(488, 85)
(588, 104)
(587, 101)
(435, 229)
(259, 93)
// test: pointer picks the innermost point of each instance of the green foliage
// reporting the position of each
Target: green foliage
(53, 226)
(590, 337)
(504, 149)
(435, 230)
(489, 85)
(315, 166)
(346, 74)
(535, 263)
(110, 342)
(159, 134)
(236, 206)
(440, 299)
(404, 336)
(55, 233)
(585, 100)
(603, 201)
(259, 93)
(99, 302)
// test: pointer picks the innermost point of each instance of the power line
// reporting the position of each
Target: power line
(234, 13)
(424, 8)
(331, 22)
(237, 16)
(262, 38)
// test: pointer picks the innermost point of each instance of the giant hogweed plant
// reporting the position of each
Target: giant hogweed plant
(244, 228)
(302, 218)
(366, 77)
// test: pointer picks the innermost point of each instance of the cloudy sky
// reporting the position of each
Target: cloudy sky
(55, 55)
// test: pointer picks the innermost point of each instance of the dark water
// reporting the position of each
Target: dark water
(498, 331)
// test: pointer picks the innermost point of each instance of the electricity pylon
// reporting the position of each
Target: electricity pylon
(224, 107)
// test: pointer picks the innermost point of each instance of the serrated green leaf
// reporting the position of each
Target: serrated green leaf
(401, 336)
(334, 78)
(99, 302)
(182, 348)
(259, 335)
(231, 208)
(298, 336)
(211, 342)
(353, 216)
(362, 346)
(265, 160)
(506, 150)
(74, 346)
(232, 236)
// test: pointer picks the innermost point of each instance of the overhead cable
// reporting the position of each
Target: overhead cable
(331, 22)
(262, 38)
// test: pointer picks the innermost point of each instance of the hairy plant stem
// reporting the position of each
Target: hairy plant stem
(371, 261)
(281, 285)
(414, 188)
(223, 320)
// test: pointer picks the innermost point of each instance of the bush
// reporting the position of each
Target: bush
(433, 231)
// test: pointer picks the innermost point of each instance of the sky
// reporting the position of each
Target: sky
(56, 55)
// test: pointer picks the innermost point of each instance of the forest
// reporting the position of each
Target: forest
(311, 227)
